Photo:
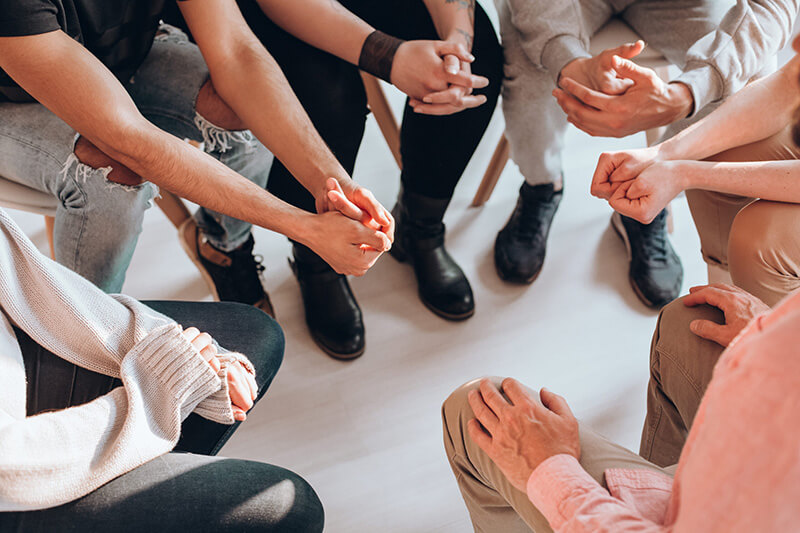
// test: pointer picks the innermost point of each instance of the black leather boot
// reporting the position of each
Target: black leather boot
(521, 245)
(332, 313)
(419, 239)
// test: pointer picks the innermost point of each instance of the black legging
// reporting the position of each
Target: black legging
(177, 491)
(435, 149)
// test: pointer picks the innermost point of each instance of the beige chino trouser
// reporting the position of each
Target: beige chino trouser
(681, 366)
(757, 241)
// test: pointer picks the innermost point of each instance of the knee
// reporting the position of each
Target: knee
(284, 501)
(213, 108)
(673, 336)
(456, 412)
(267, 340)
(758, 233)
(90, 155)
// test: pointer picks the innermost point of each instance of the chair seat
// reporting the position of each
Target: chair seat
(16, 196)
(615, 33)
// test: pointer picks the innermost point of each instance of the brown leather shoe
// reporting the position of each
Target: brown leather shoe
(233, 276)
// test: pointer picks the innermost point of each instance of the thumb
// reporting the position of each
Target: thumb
(555, 403)
(628, 69)
(707, 329)
(629, 50)
(445, 48)
(452, 64)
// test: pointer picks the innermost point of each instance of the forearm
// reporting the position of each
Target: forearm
(758, 111)
(725, 60)
(270, 109)
(57, 457)
(771, 180)
(196, 176)
(324, 24)
(454, 20)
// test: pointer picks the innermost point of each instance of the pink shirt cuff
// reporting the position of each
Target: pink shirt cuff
(553, 481)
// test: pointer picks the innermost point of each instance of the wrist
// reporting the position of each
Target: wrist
(681, 97)
(461, 36)
(573, 68)
(301, 227)
(377, 54)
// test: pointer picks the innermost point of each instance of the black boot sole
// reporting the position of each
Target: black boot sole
(336, 355)
(401, 257)
(516, 281)
(616, 224)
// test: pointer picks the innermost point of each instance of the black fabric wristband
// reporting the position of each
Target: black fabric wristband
(377, 54)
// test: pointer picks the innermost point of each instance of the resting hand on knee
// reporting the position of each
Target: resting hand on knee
(739, 307)
(519, 435)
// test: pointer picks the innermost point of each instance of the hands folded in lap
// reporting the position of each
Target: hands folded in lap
(242, 387)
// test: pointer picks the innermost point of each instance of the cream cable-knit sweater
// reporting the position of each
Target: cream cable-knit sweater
(56, 457)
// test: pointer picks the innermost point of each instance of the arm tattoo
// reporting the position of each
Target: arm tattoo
(465, 4)
(468, 37)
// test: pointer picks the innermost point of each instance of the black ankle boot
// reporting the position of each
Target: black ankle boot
(520, 246)
(332, 313)
(419, 239)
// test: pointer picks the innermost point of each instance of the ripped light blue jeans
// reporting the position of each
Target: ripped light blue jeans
(98, 222)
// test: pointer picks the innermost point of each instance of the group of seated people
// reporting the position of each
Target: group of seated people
(112, 410)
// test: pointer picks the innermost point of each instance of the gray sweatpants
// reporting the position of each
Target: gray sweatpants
(535, 124)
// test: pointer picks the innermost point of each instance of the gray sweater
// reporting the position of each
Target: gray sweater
(53, 458)
(715, 67)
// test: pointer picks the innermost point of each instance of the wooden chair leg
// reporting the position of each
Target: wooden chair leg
(492, 174)
(173, 207)
(380, 108)
(49, 226)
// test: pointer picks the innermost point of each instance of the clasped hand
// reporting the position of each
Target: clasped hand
(611, 96)
(242, 387)
(437, 77)
(638, 183)
(352, 229)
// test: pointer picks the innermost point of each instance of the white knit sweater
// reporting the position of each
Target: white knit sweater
(56, 457)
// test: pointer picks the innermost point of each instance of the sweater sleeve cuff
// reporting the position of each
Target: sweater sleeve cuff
(217, 407)
(559, 51)
(551, 484)
(705, 84)
(177, 367)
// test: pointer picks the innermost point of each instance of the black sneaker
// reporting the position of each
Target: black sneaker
(655, 273)
(231, 276)
(520, 246)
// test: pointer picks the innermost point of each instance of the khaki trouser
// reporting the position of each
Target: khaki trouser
(681, 365)
(758, 242)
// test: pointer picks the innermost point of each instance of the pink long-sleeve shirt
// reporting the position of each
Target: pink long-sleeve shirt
(739, 469)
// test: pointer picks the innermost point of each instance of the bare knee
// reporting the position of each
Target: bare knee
(213, 108)
(90, 155)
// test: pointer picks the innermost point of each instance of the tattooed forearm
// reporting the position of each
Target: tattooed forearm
(468, 38)
(465, 4)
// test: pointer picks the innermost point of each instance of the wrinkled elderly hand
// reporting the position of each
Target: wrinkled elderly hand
(739, 306)
(519, 435)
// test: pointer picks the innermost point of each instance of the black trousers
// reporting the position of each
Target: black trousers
(435, 149)
(177, 491)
